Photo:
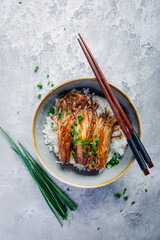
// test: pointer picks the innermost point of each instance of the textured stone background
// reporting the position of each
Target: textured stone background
(124, 36)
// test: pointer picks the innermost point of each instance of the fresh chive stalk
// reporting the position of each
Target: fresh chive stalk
(57, 201)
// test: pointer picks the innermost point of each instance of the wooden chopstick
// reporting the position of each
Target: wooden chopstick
(133, 133)
(132, 145)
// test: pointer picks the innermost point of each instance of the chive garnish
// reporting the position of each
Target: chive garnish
(40, 85)
(64, 108)
(117, 195)
(68, 112)
(64, 29)
(126, 198)
(36, 68)
(120, 137)
(75, 123)
(52, 123)
(39, 95)
(48, 82)
(94, 151)
(96, 134)
(93, 163)
(47, 75)
(60, 115)
(57, 201)
(52, 85)
(133, 202)
(98, 228)
(73, 153)
(146, 190)
(89, 153)
(84, 151)
(121, 210)
(52, 111)
(63, 125)
(125, 189)
(80, 117)
(113, 161)
(20, 2)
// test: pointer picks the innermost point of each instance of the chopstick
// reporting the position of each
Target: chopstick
(133, 133)
(132, 137)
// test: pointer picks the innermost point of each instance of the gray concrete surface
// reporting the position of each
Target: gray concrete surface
(124, 37)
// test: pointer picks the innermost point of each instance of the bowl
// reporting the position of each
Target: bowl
(67, 173)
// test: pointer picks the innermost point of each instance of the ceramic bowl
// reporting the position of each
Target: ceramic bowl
(67, 173)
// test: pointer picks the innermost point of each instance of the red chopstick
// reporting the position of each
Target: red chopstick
(108, 93)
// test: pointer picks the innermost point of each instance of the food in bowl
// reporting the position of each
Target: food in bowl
(82, 130)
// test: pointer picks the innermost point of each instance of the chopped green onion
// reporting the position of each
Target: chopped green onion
(84, 151)
(60, 115)
(89, 153)
(133, 202)
(68, 112)
(120, 137)
(79, 130)
(20, 2)
(52, 85)
(146, 190)
(73, 131)
(117, 195)
(75, 123)
(40, 85)
(64, 108)
(48, 82)
(64, 29)
(94, 151)
(96, 134)
(97, 141)
(125, 189)
(36, 68)
(113, 161)
(52, 123)
(126, 198)
(98, 228)
(90, 140)
(52, 111)
(93, 163)
(63, 125)
(47, 75)
(39, 95)
(80, 117)
(121, 210)
(73, 153)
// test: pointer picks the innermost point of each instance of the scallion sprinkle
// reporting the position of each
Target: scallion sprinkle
(126, 198)
(60, 115)
(73, 153)
(36, 68)
(117, 195)
(39, 95)
(75, 123)
(40, 85)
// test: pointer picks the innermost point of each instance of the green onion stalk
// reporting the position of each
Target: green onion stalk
(57, 201)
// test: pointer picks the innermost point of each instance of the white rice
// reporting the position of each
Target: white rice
(117, 145)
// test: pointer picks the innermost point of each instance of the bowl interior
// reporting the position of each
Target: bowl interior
(68, 173)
